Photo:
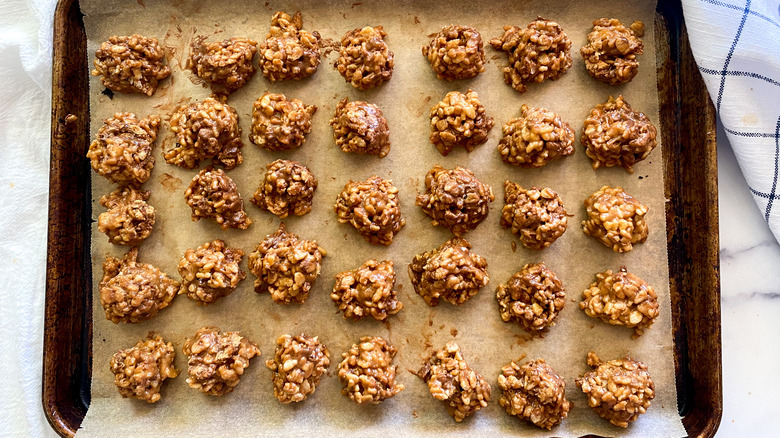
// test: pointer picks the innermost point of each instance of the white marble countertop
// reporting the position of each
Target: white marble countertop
(750, 307)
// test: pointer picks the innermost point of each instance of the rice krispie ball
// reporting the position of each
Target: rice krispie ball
(455, 198)
(459, 120)
(373, 208)
(279, 123)
(213, 194)
(456, 53)
(534, 139)
(534, 392)
(129, 219)
(367, 291)
(450, 379)
(122, 149)
(615, 218)
(365, 61)
(533, 297)
(205, 130)
(367, 372)
(612, 49)
(216, 360)
(540, 51)
(298, 364)
(615, 134)
(289, 52)
(361, 128)
(134, 292)
(534, 215)
(451, 273)
(288, 188)
(285, 266)
(210, 271)
(140, 371)
(131, 64)
(226, 65)
(619, 390)
(621, 298)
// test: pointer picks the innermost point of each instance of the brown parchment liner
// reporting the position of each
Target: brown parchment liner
(486, 341)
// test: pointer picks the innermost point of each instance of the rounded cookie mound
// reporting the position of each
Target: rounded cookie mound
(455, 198)
(289, 52)
(456, 53)
(226, 65)
(534, 139)
(213, 194)
(129, 219)
(122, 149)
(540, 51)
(615, 218)
(619, 390)
(285, 266)
(365, 61)
(361, 128)
(131, 64)
(367, 291)
(451, 273)
(217, 360)
(373, 208)
(280, 124)
(534, 392)
(210, 271)
(298, 364)
(535, 215)
(621, 298)
(140, 372)
(288, 188)
(459, 120)
(367, 372)
(610, 55)
(134, 292)
(533, 297)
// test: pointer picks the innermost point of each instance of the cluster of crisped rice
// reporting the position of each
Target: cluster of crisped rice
(456, 53)
(226, 65)
(451, 273)
(534, 139)
(373, 208)
(621, 298)
(213, 194)
(280, 124)
(615, 218)
(210, 271)
(534, 392)
(367, 372)
(361, 128)
(535, 215)
(139, 372)
(289, 52)
(285, 266)
(122, 151)
(533, 297)
(610, 55)
(455, 198)
(540, 51)
(131, 64)
(367, 291)
(298, 364)
(450, 379)
(459, 120)
(217, 360)
(288, 188)
(365, 61)
(129, 219)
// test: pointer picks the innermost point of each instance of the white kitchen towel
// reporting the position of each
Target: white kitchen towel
(736, 44)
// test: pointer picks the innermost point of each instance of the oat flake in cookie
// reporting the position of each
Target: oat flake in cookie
(213, 194)
(534, 139)
(288, 188)
(610, 55)
(615, 134)
(129, 219)
(533, 297)
(285, 266)
(450, 379)
(217, 360)
(131, 64)
(451, 273)
(205, 130)
(540, 51)
(459, 120)
(367, 291)
(455, 198)
(534, 392)
(619, 390)
(289, 52)
(456, 53)
(365, 61)
(210, 271)
(279, 123)
(226, 65)
(360, 127)
(373, 208)
(621, 298)
(134, 292)
(535, 215)
(615, 218)
(140, 372)
(298, 364)
(367, 372)
(122, 149)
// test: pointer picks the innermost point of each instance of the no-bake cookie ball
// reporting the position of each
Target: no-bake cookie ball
(365, 61)
(533, 297)
(225, 65)
(140, 371)
(455, 198)
(615, 218)
(621, 298)
(287, 189)
(210, 272)
(534, 215)
(216, 360)
(289, 52)
(367, 372)
(122, 149)
(534, 139)
(367, 291)
(373, 208)
(459, 120)
(298, 364)
(451, 273)
(612, 49)
(456, 53)
(213, 194)
(360, 127)
(534, 392)
(131, 64)
(129, 219)
(279, 123)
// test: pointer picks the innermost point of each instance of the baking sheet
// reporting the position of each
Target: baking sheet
(486, 341)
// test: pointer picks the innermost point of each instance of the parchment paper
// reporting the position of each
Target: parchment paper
(487, 342)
